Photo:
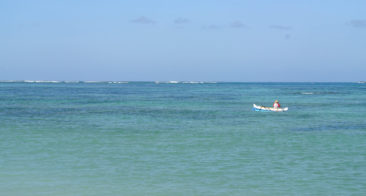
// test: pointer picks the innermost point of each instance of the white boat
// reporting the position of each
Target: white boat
(263, 108)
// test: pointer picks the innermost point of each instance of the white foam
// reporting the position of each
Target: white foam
(117, 82)
(41, 81)
(92, 81)
(192, 82)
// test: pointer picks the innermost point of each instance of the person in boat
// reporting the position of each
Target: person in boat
(276, 104)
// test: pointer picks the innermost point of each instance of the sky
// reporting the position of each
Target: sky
(184, 40)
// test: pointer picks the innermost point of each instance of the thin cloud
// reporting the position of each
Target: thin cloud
(281, 27)
(143, 20)
(181, 21)
(357, 23)
(237, 24)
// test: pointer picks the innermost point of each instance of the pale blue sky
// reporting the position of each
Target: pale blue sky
(207, 40)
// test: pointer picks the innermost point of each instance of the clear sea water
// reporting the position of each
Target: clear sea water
(143, 138)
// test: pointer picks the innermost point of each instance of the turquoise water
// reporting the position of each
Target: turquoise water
(182, 139)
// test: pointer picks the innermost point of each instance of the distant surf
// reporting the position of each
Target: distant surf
(184, 82)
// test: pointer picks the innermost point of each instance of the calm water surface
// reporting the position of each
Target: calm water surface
(182, 139)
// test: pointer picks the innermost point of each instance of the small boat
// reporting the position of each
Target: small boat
(270, 109)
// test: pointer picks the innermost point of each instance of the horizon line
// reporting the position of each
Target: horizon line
(167, 81)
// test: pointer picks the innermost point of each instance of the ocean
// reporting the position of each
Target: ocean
(147, 138)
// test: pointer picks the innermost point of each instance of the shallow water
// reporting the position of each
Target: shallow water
(143, 138)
